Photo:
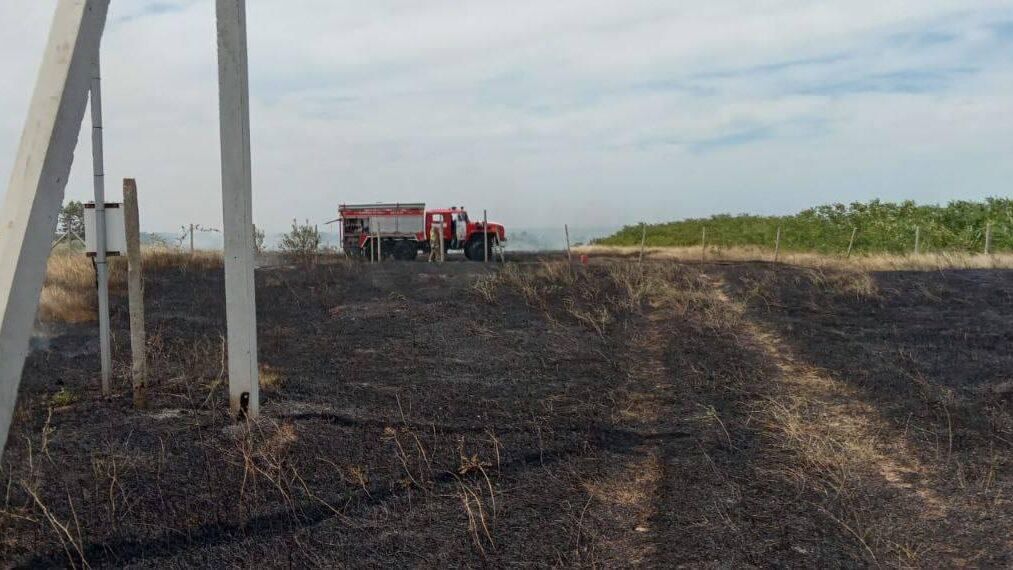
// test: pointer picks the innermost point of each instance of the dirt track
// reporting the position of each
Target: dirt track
(463, 415)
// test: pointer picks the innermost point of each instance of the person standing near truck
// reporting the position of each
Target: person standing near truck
(434, 243)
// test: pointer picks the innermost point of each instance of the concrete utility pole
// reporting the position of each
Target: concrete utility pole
(38, 181)
(135, 286)
(101, 260)
(237, 201)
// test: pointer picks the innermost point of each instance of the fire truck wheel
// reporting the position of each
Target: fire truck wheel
(406, 250)
(474, 251)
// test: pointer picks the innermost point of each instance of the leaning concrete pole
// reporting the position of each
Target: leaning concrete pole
(38, 181)
(237, 201)
(101, 259)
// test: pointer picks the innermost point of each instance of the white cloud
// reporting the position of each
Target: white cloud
(579, 111)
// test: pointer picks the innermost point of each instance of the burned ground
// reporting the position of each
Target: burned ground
(533, 414)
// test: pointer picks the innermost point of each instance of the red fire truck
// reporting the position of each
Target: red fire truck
(401, 231)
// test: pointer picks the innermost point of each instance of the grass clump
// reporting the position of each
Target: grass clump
(63, 398)
(271, 381)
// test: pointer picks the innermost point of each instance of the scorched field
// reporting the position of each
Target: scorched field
(536, 414)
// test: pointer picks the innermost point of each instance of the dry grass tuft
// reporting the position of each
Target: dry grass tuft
(271, 381)
(68, 295)
(161, 258)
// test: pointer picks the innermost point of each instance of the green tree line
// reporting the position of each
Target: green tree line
(877, 227)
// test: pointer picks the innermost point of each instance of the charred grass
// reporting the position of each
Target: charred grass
(538, 414)
(897, 398)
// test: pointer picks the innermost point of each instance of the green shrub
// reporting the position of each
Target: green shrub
(881, 227)
(303, 242)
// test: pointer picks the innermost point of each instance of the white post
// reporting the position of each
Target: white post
(135, 291)
(101, 261)
(918, 240)
(485, 233)
(38, 180)
(703, 244)
(237, 201)
(988, 238)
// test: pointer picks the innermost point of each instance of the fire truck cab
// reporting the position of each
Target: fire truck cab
(460, 233)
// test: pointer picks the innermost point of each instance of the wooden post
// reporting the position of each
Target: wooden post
(703, 244)
(443, 244)
(851, 243)
(918, 240)
(237, 205)
(191, 239)
(485, 234)
(777, 244)
(643, 241)
(101, 248)
(38, 180)
(988, 238)
(569, 254)
(135, 292)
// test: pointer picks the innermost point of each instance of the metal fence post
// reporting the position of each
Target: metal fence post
(777, 244)
(101, 247)
(851, 243)
(643, 240)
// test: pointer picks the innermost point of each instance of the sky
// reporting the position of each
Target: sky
(586, 112)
